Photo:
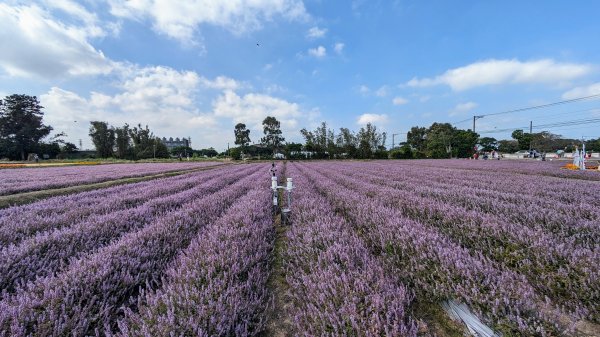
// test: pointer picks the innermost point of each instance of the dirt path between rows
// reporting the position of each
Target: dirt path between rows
(278, 321)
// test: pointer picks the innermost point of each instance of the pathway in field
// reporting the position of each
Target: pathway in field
(279, 324)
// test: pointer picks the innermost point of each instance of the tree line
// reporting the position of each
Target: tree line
(23, 133)
(126, 142)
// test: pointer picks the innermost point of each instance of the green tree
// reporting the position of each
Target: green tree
(593, 145)
(548, 142)
(242, 135)
(403, 152)
(272, 130)
(524, 139)
(68, 148)
(235, 153)
(293, 150)
(146, 145)
(103, 137)
(321, 140)
(21, 126)
(417, 138)
(370, 141)
(210, 152)
(184, 150)
(440, 139)
(445, 141)
(123, 143)
(347, 143)
(464, 143)
(51, 149)
(508, 146)
(488, 143)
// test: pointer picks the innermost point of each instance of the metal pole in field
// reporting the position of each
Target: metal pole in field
(393, 139)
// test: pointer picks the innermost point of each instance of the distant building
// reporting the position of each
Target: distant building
(173, 143)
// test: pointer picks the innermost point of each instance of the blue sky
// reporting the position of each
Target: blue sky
(193, 68)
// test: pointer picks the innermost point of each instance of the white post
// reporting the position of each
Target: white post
(289, 192)
(274, 188)
(582, 167)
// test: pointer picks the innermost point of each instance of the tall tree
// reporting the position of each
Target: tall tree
(103, 137)
(508, 146)
(21, 126)
(524, 139)
(370, 141)
(417, 139)
(145, 145)
(593, 145)
(321, 141)
(347, 142)
(440, 139)
(123, 143)
(242, 135)
(464, 143)
(272, 129)
(488, 143)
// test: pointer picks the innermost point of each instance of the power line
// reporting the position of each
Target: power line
(569, 123)
(577, 128)
(464, 120)
(548, 125)
(542, 106)
(476, 117)
(565, 113)
(530, 108)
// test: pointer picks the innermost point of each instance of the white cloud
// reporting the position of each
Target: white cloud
(592, 89)
(253, 108)
(318, 52)
(399, 100)
(181, 19)
(91, 23)
(41, 46)
(338, 48)
(363, 89)
(495, 72)
(221, 83)
(463, 107)
(161, 97)
(382, 91)
(316, 33)
(371, 118)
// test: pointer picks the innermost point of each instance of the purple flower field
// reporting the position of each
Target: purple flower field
(194, 254)
(21, 180)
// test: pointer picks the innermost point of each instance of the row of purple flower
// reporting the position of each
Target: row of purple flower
(21, 180)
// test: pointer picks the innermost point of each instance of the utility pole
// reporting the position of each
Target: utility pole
(393, 135)
(228, 152)
(474, 119)
(530, 134)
